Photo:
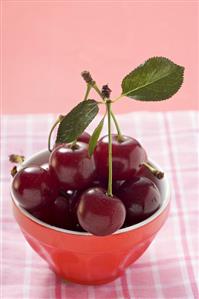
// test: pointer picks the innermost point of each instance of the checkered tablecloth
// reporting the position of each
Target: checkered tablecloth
(169, 267)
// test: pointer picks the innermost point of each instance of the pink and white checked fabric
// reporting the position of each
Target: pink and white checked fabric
(168, 269)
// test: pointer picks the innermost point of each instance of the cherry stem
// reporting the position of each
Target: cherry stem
(96, 88)
(118, 98)
(89, 86)
(13, 171)
(74, 146)
(120, 137)
(157, 173)
(18, 159)
(52, 129)
(92, 84)
(108, 106)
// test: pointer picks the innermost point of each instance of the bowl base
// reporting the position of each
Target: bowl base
(93, 283)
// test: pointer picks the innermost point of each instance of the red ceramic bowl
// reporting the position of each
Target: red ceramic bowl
(82, 257)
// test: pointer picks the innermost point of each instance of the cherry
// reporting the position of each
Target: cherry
(104, 184)
(74, 202)
(44, 214)
(145, 172)
(85, 137)
(101, 184)
(61, 213)
(141, 199)
(72, 167)
(65, 211)
(116, 185)
(72, 198)
(33, 187)
(127, 157)
(99, 213)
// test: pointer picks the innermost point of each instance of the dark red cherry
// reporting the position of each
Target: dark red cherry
(141, 198)
(145, 172)
(127, 157)
(72, 168)
(104, 184)
(44, 214)
(99, 213)
(65, 211)
(100, 184)
(74, 202)
(116, 185)
(33, 187)
(61, 213)
(85, 137)
(74, 197)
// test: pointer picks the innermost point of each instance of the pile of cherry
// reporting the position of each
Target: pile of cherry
(70, 191)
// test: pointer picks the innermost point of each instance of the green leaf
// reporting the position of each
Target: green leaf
(76, 121)
(95, 136)
(155, 80)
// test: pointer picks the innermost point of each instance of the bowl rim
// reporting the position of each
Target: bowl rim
(162, 208)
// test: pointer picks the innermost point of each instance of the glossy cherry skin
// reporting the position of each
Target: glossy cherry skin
(127, 157)
(99, 213)
(72, 168)
(72, 198)
(33, 187)
(45, 166)
(145, 172)
(61, 213)
(141, 198)
(85, 137)
(104, 184)
(74, 202)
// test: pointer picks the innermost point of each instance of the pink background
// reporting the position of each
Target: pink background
(47, 44)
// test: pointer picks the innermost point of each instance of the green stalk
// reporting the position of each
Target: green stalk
(87, 91)
(118, 98)
(110, 175)
(74, 145)
(120, 138)
(156, 172)
(97, 90)
(52, 129)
